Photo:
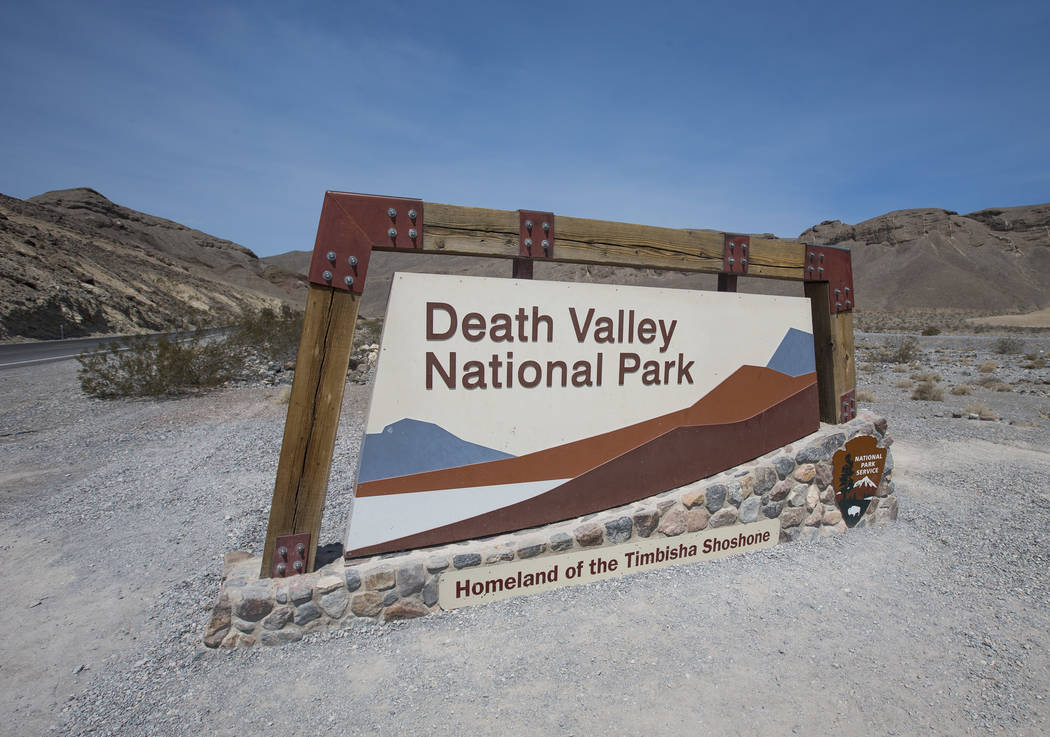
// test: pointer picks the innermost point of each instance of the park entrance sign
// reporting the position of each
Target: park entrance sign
(501, 404)
(504, 404)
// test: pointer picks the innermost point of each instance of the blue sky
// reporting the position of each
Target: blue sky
(755, 117)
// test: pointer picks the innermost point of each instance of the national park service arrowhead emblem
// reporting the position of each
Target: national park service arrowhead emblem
(858, 470)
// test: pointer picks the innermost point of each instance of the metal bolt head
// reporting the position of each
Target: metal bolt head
(528, 242)
(349, 281)
(298, 565)
(300, 548)
(392, 232)
(546, 227)
(528, 225)
(391, 213)
(326, 275)
(412, 233)
(352, 260)
(743, 260)
(732, 260)
(282, 551)
(546, 245)
(412, 215)
(331, 255)
(281, 568)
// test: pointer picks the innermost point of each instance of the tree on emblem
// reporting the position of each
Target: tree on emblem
(846, 478)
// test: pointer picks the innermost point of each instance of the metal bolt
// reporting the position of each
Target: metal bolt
(326, 275)
(528, 242)
(812, 255)
(281, 568)
(848, 303)
(838, 305)
(820, 270)
(546, 227)
(743, 246)
(847, 290)
(282, 551)
(731, 245)
(743, 260)
(822, 258)
(391, 213)
(412, 215)
(412, 233)
(300, 548)
(392, 232)
(298, 565)
(331, 255)
(352, 260)
(349, 281)
(810, 269)
(732, 260)
(528, 225)
(546, 245)
(837, 291)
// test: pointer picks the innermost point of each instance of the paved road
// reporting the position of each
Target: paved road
(13, 355)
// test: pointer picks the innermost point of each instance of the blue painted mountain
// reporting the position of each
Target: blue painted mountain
(794, 355)
(412, 446)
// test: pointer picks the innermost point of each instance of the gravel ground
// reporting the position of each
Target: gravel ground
(116, 516)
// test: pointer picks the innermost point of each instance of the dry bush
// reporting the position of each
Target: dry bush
(866, 367)
(144, 367)
(932, 377)
(966, 361)
(927, 391)
(961, 390)
(931, 331)
(904, 384)
(1035, 362)
(988, 367)
(900, 369)
(1008, 345)
(1002, 386)
(865, 397)
(900, 350)
(987, 381)
(981, 410)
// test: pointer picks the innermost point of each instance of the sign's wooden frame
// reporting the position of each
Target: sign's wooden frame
(352, 226)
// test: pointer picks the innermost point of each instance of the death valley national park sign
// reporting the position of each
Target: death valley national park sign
(502, 404)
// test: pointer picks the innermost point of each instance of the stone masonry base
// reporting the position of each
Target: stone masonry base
(793, 484)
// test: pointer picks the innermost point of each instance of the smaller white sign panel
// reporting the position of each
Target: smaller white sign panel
(492, 583)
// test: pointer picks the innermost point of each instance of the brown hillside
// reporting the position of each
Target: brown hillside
(71, 261)
(991, 260)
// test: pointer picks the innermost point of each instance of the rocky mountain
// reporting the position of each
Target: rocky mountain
(995, 260)
(74, 263)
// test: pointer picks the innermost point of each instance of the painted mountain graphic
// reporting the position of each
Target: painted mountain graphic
(794, 356)
(411, 446)
(865, 481)
(755, 410)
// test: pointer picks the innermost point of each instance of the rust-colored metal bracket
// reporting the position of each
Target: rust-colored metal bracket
(291, 555)
(736, 254)
(848, 406)
(536, 234)
(835, 266)
(351, 225)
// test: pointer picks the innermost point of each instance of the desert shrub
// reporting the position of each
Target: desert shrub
(931, 331)
(1002, 386)
(900, 369)
(903, 384)
(901, 350)
(145, 367)
(961, 390)
(926, 377)
(988, 367)
(928, 392)
(865, 397)
(1008, 345)
(1035, 362)
(987, 381)
(981, 410)
(272, 335)
(866, 367)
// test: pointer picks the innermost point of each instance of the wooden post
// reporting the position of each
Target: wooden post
(833, 346)
(313, 418)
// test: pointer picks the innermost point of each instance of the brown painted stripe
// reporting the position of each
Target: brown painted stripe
(681, 456)
(746, 392)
